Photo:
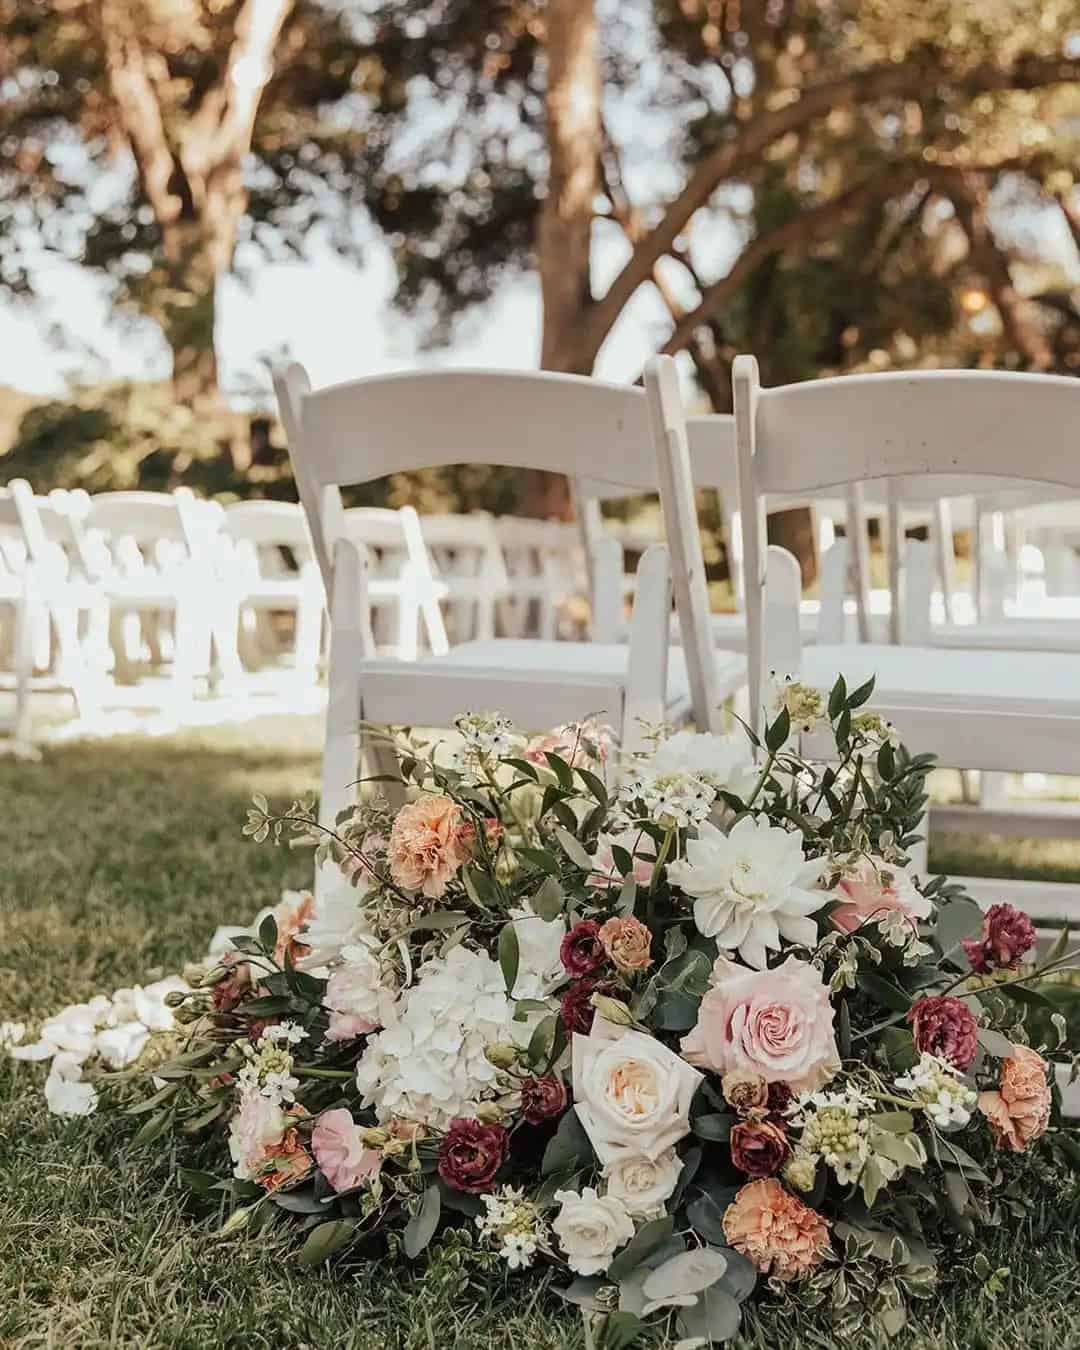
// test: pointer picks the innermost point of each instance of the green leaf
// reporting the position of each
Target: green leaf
(569, 1147)
(523, 766)
(162, 1095)
(509, 955)
(198, 1182)
(153, 1128)
(549, 901)
(957, 919)
(860, 695)
(706, 1213)
(573, 849)
(716, 1127)
(439, 921)
(776, 735)
(837, 698)
(645, 1241)
(883, 992)
(621, 1329)
(266, 1007)
(871, 1181)
(300, 1202)
(268, 933)
(561, 770)
(897, 1122)
(594, 784)
(1059, 946)
(325, 1240)
(582, 1293)
(421, 1227)
(688, 1273)
(715, 1317)
(542, 1041)
(540, 858)
(994, 1043)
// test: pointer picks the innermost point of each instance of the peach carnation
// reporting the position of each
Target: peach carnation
(428, 843)
(1019, 1111)
(773, 1229)
(291, 916)
(628, 942)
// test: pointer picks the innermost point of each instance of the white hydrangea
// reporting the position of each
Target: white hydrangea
(428, 1064)
(722, 762)
(938, 1088)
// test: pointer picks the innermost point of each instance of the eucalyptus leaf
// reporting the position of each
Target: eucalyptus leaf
(644, 1242)
(716, 1317)
(573, 848)
(325, 1240)
(421, 1227)
(549, 901)
(509, 955)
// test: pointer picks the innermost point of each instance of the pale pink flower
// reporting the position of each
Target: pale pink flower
(605, 873)
(428, 844)
(776, 1023)
(872, 888)
(342, 1158)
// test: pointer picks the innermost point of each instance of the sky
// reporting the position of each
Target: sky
(333, 316)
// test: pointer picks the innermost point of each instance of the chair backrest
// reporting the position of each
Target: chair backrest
(144, 517)
(263, 522)
(828, 433)
(465, 545)
(369, 428)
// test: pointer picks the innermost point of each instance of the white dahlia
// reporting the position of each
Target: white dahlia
(750, 887)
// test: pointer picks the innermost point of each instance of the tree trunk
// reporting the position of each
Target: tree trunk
(564, 235)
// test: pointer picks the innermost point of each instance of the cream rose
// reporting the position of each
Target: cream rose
(644, 1184)
(776, 1023)
(630, 1092)
(590, 1229)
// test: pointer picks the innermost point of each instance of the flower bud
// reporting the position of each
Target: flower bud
(612, 1010)
(502, 1054)
(174, 998)
(374, 1138)
(489, 1113)
(211, 977)
(800, 1172)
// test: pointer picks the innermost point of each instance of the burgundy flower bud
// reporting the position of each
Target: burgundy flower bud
(471, 1154)
(577, 1010)
(1007, 935)
(945, 1027)
(780, 1098)
(759, 1147)
(542, 1098)
(582, 952)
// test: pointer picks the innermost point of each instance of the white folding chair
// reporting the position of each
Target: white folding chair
(15, 612)
(468, 561)
(545, 562)
(403, 593)
(276, 572)
(1017, 711)
(369, 428)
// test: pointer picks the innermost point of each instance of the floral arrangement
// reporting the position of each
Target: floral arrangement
(680, 1030)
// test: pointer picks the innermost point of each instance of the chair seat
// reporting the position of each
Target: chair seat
(1032, 635)
(270, 592)
(602, 662)
(1037, 684)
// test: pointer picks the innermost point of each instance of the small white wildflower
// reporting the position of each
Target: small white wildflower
(513, 1222)
(937, 1087)
(805, 705)
(291, 1032)
(676, 800)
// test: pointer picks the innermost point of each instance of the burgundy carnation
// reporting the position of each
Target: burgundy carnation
(577, 1010)
(542, 1098)
(780, 1098)
(582, 952)
(945, 1027)
(1007, 935)
(471, 1154)
(759, 1148)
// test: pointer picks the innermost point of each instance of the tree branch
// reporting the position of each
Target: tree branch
(910, 78)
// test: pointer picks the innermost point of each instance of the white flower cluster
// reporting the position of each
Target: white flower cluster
(268, 1071)
(835, 1127)
(938, 1088)
(428, 1064)
(486, 737)
(292, 1033)
(114, 1029)
(679, 782)
(513, 1222)
(674, 800)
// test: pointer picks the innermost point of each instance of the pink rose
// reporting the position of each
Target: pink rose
(873, 888)
(606, 874)
(428, 843)
(342, 1158)
(776, 1023)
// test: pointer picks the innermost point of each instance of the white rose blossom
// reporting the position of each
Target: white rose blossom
(643, 1184)
(590, 1229)
(750, 887)
(631, 1093)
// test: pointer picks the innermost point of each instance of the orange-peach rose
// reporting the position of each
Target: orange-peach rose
(627, 942)
(285, 1163)
(1019, 1111)
(428, 843)
(781, 1236)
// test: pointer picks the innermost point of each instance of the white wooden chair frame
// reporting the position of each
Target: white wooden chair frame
(368, 428)
(1020, 711)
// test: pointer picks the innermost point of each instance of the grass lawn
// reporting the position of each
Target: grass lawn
(119, 859)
